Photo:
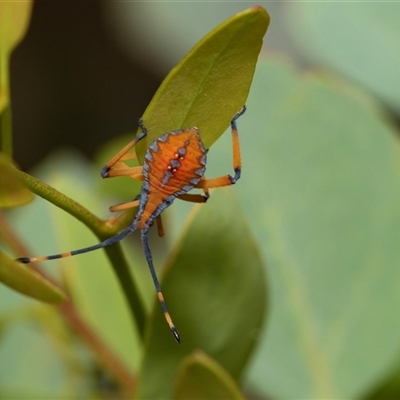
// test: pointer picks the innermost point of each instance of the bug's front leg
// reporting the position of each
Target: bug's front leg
(122, 154)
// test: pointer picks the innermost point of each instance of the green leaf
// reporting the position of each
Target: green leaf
(211, 83)
(358, 39)
(13, 192)
(389, 388)
(321, 187)
(14, 20)
(200, 377)
(28, 282)
(215, 290)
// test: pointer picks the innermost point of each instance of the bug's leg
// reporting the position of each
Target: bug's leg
(160, 228)
(134, 203)
(195, 198)
(160, 295)
(128, 156)
(124, 206)
(227, 180)
(206, 192)
(123, 170)
(108, 242)
(122, 153)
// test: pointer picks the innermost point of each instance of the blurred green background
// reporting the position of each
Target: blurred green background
(320, 187)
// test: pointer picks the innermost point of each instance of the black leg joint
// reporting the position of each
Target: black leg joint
(236, 177)
(143, 128)
(24, 260)
(238, 114)
(104, 171)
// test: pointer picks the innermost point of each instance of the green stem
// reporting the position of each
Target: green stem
(98, 226)
(121, 268)
(5, 132)
(102, 229)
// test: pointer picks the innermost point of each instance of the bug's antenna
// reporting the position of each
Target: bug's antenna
(160, 296)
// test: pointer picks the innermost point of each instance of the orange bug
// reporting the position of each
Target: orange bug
(174, 164)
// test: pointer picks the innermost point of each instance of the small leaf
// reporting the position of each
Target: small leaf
(28, 282)
(13, 192)
(200, 377)
(211, 83)
(214, 287)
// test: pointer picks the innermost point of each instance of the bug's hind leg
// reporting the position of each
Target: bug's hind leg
(227, 180)
(160, 295)
(108, 242)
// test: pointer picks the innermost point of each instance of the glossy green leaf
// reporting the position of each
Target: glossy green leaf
(200, 377)
(28, 282)
(211, 83)
(358, 39)
(215, 290)
(13, 192)
(321, 185)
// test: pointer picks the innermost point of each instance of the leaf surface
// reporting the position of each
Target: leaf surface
(215, 290)
(14, 20)
(321, 186)
(13, 192)
(212, 81)
(200, 377)
(358, 39)
(28, 282)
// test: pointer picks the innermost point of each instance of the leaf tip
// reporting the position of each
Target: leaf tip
(261, 10)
